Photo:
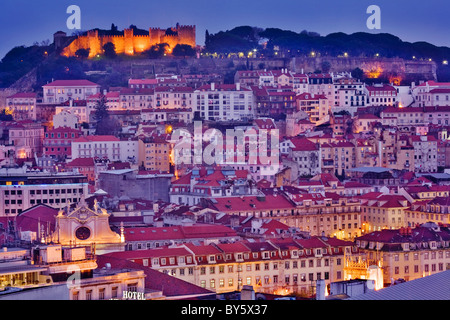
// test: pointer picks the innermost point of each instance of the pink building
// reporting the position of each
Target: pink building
(58, 142)
(22, 105)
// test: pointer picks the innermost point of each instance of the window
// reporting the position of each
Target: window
(101, 294)
(114, 292)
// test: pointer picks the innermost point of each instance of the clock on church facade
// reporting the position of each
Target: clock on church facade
(83, 233)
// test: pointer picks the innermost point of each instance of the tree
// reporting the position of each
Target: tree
(109, 50)
(5, 116)
(358, 73)
(101, 110)
(157, 51)
(183, 50)
(326, 66)
(207, 38)
(82, 53)
(104, 123)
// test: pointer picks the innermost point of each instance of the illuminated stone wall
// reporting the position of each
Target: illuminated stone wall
(373, 67)
(129, 43)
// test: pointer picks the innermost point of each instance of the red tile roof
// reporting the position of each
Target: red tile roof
(22, 95)
(155, 280)
(41, 214)
(81, 162)
(310, 96)
(303, 144)
(251, 203)
(71, 83)
(96, 139)
(200, 231)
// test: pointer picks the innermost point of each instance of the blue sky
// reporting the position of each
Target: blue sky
(26, 21)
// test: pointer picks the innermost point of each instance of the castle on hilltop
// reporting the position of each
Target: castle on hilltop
(130, 43)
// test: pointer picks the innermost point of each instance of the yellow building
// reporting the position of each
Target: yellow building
(338, 158)
(422, 211)
(155, 153)
(383, 211)
(407, 253)
(279, 266)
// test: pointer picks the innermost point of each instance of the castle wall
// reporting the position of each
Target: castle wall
(129, 43)
(375, 66)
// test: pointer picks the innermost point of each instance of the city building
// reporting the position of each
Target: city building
(58, 142)
(135, 184)
(60, 91)
(211, 183)
(66, 118)
(408, 253)
(383, 211)
(279, 266)
(155, 153)
(105, 147)
(27, 137)
(381, 95)
(223, 102)
(425, 153)
(316, 106)
(22, 189)
(22, 105)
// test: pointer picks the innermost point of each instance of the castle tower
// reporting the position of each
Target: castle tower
(93, 43)
(155, 35)
(186, 35)
(59, 39)
(128, 36)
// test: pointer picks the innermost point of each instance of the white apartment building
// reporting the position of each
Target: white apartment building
(381, 95)
(348, 92)
(107, 147)
(66, 118)
(431, 93)
(21, 189)
(425, 153)
(112, 100)
(174, 97)
(136, 99)
(78, 108)
(60, 91)
(224, 102)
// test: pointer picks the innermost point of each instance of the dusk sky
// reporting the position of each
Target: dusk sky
(24, 21)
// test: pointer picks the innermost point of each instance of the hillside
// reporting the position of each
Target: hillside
(31, 67)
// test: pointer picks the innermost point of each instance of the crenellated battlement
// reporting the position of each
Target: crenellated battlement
(129, 43)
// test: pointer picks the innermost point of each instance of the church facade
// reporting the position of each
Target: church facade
(83, 226)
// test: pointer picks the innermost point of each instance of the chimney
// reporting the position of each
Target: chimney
(320, 289)
(213, 86)
(238, 86)
(247, 293)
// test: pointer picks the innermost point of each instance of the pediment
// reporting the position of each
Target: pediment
(82, 212)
